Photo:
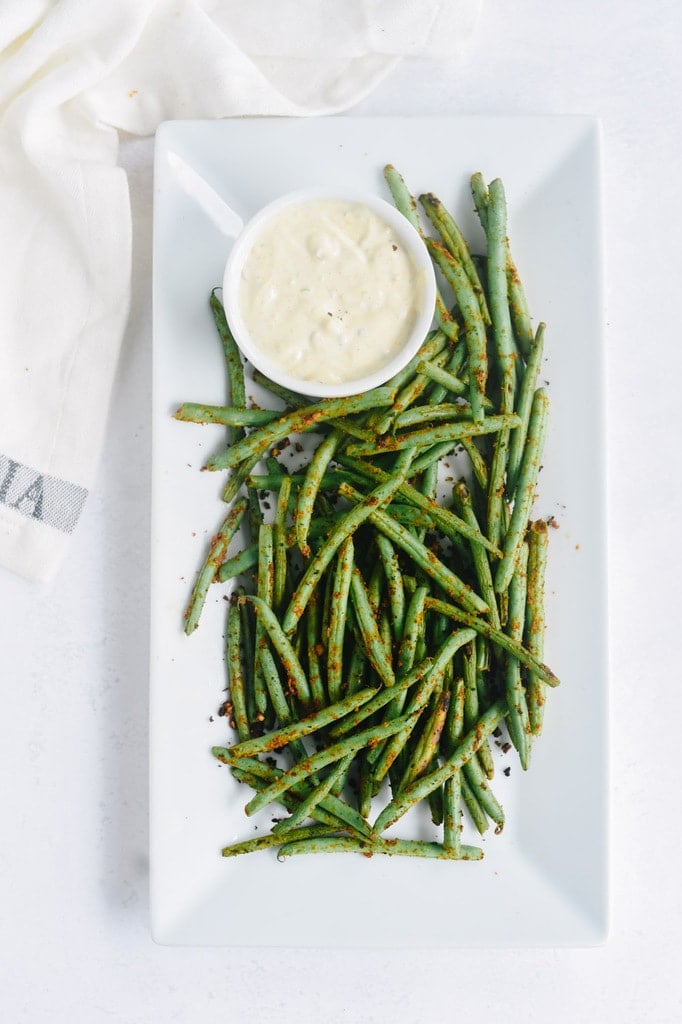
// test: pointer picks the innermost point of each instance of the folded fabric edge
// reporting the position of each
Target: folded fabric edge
(38, 513)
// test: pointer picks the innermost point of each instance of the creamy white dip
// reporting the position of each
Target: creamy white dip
(328, 291)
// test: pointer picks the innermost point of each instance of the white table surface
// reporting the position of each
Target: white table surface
(74, 935)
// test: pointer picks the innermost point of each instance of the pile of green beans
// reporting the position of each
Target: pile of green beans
(379, 636)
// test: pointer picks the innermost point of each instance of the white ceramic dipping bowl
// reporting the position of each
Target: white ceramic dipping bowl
(426, 293)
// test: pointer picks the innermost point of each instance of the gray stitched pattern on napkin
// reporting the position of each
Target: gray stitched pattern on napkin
(37, 495)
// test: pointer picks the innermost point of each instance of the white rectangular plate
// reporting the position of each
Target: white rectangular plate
(544, 880)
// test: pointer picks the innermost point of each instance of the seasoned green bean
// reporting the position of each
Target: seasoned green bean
(372, 641)
(425, 749)
(443, 518)
(452, 800)
(315, 650)
(287, 829)
(405, 202)
(238, 478)
(419, 789)
(394, 584)
(304, 769)
(239, 564)
(390, 847)
(474, 775)
(535, 618)
(314, 475)
(236, 671)
(387, 694)
(496, 232)
(525, 490)
(476, 812)
(229, 416)
(456, 244)
(498, 638)
(517, 719)
(478, 463)
(432, 435)
(273, 481)
(442, 376)
(415, 388)
(523, 408)
(432, 682)
(423, 556)
(247, 641)
(479, 554)
(281, 643)
(337, 622)
(297, 422)
(265, 588)
(233, 360)
(330, 811)
(446, 411)
(474, 325)
(216, 555)
(519, 306)
(305, 727)
(381, 495)
(279, 540)
(266, 842)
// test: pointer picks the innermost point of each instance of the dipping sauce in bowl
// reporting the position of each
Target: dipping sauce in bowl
(329, 292)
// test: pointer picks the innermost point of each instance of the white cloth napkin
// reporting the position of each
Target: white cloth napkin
(72, 74)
